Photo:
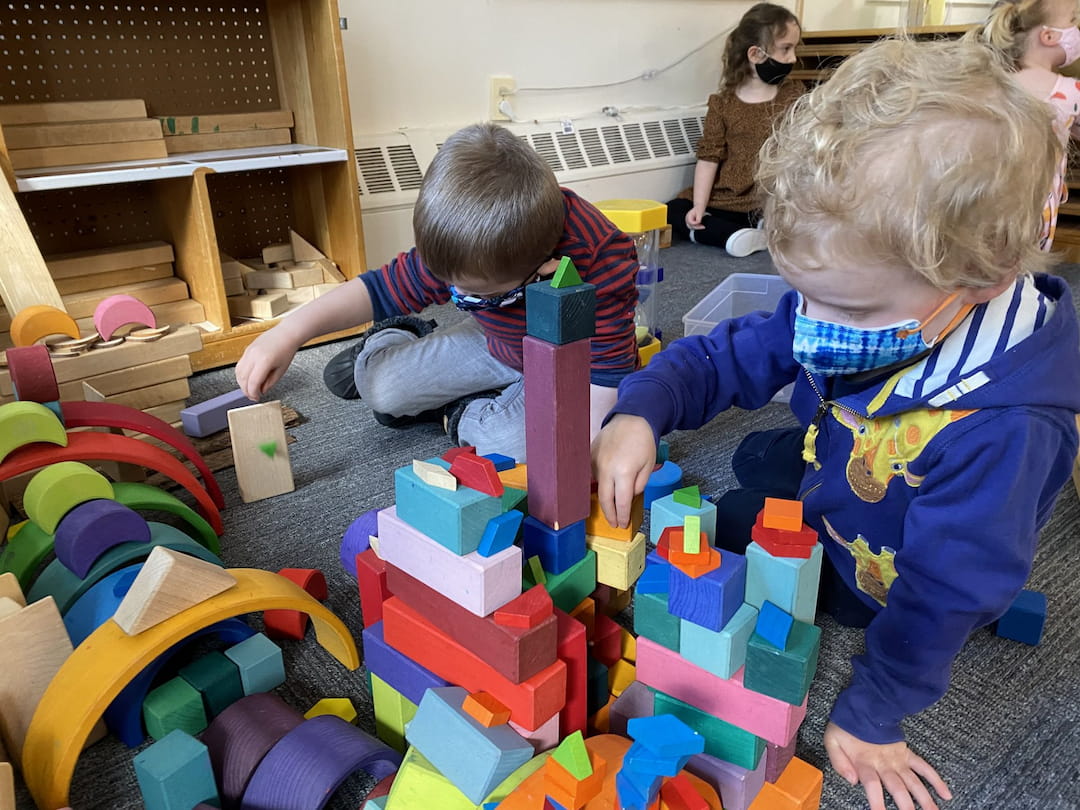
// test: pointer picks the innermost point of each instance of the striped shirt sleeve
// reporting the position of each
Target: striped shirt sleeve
(402, 286)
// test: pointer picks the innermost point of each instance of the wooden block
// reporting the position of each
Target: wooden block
(790, 583)
(455, 519)
(153, 396)
(32, 136)
(371, 579)
(572, 585)
(168, 584)
(115, 278)
(35, 646)
(175, 773)
(260, 451)
(393, 712)
(766, 717)
(783, 514)
(515, 653)
(434, 475)
(784, 674)
(217, 679)
(477, 472)
(516, 477)
(7, 786)
(262, 307)
(23, 282)
(607, 640)
(338, 707)
(60, 487)
(782, 542)
(560, 315)
(304, 274)
(531, 702)
(270, 280)
(292, 624)
(90, 529)
(565, 787)
(712, 598)
(224, 122)
(65, 111)
(777, 758)
(668, 511)
(1025, 618)
(620, 675)
(723, 740)
(106, 260)
(543, 738)
(87, 153)
(722, 653)
(573, 652)
(175, 705)
(485, 709)
(653, 620)
(663, 482)
(234, 286)
(619, 563)
(210, 416)
(214, 141)
(33, 323)
(798, 788)
(10, 588)
(736, 786)
(419, 784)
(500, 533)
(398, 670)
(479, 584)
(259, 662)
(558, 549)
(175, 313)
(304, 251)
(527, 610)
(636, 700)
(9, 606)
(585, 612)
(596, 524)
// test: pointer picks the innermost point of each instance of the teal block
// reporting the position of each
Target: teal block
(474, 757)
(652, 619)
(376, 804)
(455, 519)
(784, 674)
(218, 680)
(515, 499)
(667, 511)
(571, 586)
(175, 774)
(721, 653)
(259, 662)
(560, 315)
(790, 583)
(722, 740)
(175, 705)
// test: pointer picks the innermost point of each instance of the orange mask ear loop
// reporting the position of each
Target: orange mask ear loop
(957, 318)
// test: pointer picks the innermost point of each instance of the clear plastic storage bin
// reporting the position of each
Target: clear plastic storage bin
(736, 295)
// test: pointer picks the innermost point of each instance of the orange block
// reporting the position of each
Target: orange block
(797, 788)
(585, 613)
(698, 564)
(596, 524)
(570, 792)
(600, 723)
(485, 709)
(781, 513)
(516, 477)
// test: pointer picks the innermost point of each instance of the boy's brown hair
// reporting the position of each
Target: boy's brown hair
(489, 208)
(761, 25)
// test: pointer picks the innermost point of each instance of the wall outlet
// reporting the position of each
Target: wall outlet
(500, 88)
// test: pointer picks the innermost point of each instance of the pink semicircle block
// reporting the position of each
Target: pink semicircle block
(118, 310)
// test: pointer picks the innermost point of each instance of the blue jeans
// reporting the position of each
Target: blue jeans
(400, 374)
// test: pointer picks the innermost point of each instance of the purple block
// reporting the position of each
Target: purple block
(92, 528)
(397, 669)
(211, 416)
(737, 787)
(777, 758)
(356, 539)
(636, 701)
(713, 598)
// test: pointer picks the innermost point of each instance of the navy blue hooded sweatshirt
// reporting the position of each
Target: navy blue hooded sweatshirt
(928, 486)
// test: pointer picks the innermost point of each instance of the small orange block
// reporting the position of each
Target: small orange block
(572, 793)
(677, 793)
(596, 524)
(797, 788)
(782, 514)
(485, 709)
(700, 564)
(516, 477)
(585, 613)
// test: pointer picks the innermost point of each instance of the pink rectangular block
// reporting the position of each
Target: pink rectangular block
(771, 719)
(479, 584)
(544, 738)
(557, 430)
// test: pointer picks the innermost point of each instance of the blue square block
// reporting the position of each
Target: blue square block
(712, 599)
(1024, 619)
(560, 314)
(558, 549)
(774, 625)
(175, 773)
(455, 519)
(662, 482)
(666, 512)
(500, 533)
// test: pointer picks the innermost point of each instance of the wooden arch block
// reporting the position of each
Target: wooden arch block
(92, 528)
(117, 310)
(33, 323)
(59, 488)
(32, 376)
(24, 423)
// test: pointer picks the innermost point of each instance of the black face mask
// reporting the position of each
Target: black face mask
(772, 72)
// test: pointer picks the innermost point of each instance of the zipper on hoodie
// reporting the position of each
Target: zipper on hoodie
(810, 442)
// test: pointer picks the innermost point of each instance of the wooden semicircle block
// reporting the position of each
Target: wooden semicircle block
(24, 423)
(59, 488)
(119, 310)
(31, 324)
(99, 669)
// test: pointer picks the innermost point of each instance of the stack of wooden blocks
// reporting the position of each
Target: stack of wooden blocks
(205, 133)
(79, 132)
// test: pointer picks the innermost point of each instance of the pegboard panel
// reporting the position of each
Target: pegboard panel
(88, 218)
(181, 59)
(251, 210)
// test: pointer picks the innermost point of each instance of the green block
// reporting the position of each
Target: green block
(653, 620)
(692, 534)
(515, 499)
(566, 275)
(572, 754)
(217, 679)
(536, 570)
(722, 740)
(24, 553)
(688, 496)
(393, 711)
(783, 674)
(176, 704)
(571, 586)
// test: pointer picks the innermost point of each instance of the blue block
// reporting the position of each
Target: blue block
(500, 533)
(665, 736)
(474, 757)
(774, 625)
(175, 773)
(663, 482)
(666, 512)
(98, 604)
(261, 665)
(711, 599)
(632, 794)
(501, 462)
(397, 670)
(641, 759)
(654, 579)
(560, 315)
(357, 539)
(558, 549)
(790, 583)
(721, 653)
(455, 519)
(1024, 619)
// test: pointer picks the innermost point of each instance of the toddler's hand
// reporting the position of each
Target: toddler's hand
(263, 363)
(624, 454)
(694, 217)
(890, 767)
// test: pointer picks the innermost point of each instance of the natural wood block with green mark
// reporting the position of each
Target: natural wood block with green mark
(176, 704)
(722, 740)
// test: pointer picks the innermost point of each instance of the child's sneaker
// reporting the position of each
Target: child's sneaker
(746, 241)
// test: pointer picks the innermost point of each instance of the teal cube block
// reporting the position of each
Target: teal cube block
(722, 653)
(560, 315)
(175, 774)
(667, 511)
(259, 662)
(455, 519)
(784, 674)
(218, 680)
(790, 583)
(722, 739)
(653, 620)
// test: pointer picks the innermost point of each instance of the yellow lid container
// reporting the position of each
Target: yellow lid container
(634, 216)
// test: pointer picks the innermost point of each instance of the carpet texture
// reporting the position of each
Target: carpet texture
(1007, 735)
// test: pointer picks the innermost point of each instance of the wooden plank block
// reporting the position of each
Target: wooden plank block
(24, 280)
(262, 307)
(393, 711)
(418, 784)
(33, 136)
(67, 111)
(155, 291)
(399, 671)
(260, 451)
(723, 740)
(226, 140)
(574, 653)
(153, 395)
(10, 588)
(131, 379)
(104, 260)
(722, 653)
(224, 122)
(7, 785)
(168, 413)
(115, 278)
(49, 156)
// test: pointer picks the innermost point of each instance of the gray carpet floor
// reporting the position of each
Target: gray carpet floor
(1007, 735)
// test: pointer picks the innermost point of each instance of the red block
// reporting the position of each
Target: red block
(574, 651)
(454, 452)
(607, 641)
(531, 703)
(528, 610)
(678, 794)
(784, 543)
(371, 577)
(477, 472)
(292, 623)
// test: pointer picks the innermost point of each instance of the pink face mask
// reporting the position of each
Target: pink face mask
(1069, 40)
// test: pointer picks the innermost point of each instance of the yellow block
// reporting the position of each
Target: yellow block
(339, 707)
(619, 563)
(106, 662)
(648, 351)
(634, 216)
(621, 676)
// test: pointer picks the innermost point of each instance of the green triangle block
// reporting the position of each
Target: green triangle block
(573, 756)
(688, 496)
(566, 275)
(270, 448)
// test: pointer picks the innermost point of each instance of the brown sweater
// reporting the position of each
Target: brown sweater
(734, 133)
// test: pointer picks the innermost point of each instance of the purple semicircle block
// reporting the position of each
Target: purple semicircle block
(357, 539)
(92, 528)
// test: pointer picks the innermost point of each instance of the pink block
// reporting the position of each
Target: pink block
(544, 738)
(118, 310)
(771, 719)
(479, 584)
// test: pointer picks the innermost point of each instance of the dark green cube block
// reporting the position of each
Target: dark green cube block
(571, 586)
(653, 620)
(560, 314)
(722, 739)
(783, 674)
(176, 704)
(217, 678)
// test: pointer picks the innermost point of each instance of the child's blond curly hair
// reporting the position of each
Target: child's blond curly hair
(923, 156)
(1007, 27)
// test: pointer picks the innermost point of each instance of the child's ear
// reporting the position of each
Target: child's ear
(980, 295)
(756, 54)
(1048, 38)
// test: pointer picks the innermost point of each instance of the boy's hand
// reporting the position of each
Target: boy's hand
(624, 454)
(890, 767)
(694, 217)
(263, 363)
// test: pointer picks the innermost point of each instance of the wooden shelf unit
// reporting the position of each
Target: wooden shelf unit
(195, 60)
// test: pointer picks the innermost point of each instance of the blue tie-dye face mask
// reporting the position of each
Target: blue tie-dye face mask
(834, 349)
